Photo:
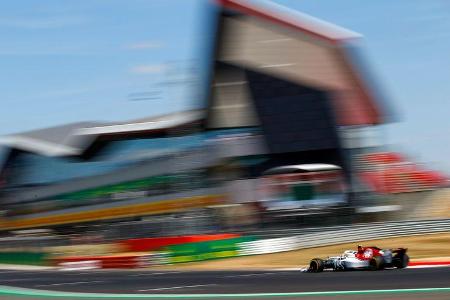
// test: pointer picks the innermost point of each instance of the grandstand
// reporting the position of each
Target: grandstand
(282, 88)
(390, 173)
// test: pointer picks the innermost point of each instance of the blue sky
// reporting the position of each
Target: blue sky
(72, 60)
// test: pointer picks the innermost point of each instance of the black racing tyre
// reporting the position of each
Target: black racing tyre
(316, 265)
(401, 261)
(376, 263)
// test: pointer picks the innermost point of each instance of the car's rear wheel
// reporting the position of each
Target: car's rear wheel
(401, 261)
(316, 265)
(376, 263)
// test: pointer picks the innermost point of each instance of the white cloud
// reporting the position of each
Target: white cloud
(145, 45)
(148, 69)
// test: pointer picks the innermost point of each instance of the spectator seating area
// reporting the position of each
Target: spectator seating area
(389, 173)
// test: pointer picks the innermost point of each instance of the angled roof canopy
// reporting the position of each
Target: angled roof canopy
(74, 139)
(296, 20)
(296, 47)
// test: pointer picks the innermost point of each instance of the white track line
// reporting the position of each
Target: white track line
(69, 283)
(151, 274)
(175, 287)
(83, 273)
(249, 275)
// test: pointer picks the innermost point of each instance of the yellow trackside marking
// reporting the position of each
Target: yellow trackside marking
(133, 210)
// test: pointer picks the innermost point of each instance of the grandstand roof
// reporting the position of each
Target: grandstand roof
(291, 18)
(73, 139)
(302, 49)
(52, 141)
(147, 125)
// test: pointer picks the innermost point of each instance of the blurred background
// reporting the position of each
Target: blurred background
(140, 125)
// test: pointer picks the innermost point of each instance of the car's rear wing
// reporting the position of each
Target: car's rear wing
(400, 250)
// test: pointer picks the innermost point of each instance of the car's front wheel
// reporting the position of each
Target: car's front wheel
(316, 265)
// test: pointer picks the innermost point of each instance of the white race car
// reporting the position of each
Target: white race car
(370, 258)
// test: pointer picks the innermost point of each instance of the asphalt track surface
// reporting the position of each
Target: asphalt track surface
(232, 282)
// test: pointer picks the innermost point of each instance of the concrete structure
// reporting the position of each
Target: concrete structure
(282, 87)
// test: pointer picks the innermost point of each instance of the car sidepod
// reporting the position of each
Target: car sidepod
(354, 263)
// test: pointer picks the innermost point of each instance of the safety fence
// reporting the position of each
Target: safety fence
(289, 232)
(344, 234)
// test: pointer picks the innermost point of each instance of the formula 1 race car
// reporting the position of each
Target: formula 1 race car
(368, 258)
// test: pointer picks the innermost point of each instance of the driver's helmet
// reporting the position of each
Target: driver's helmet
(360, 248)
